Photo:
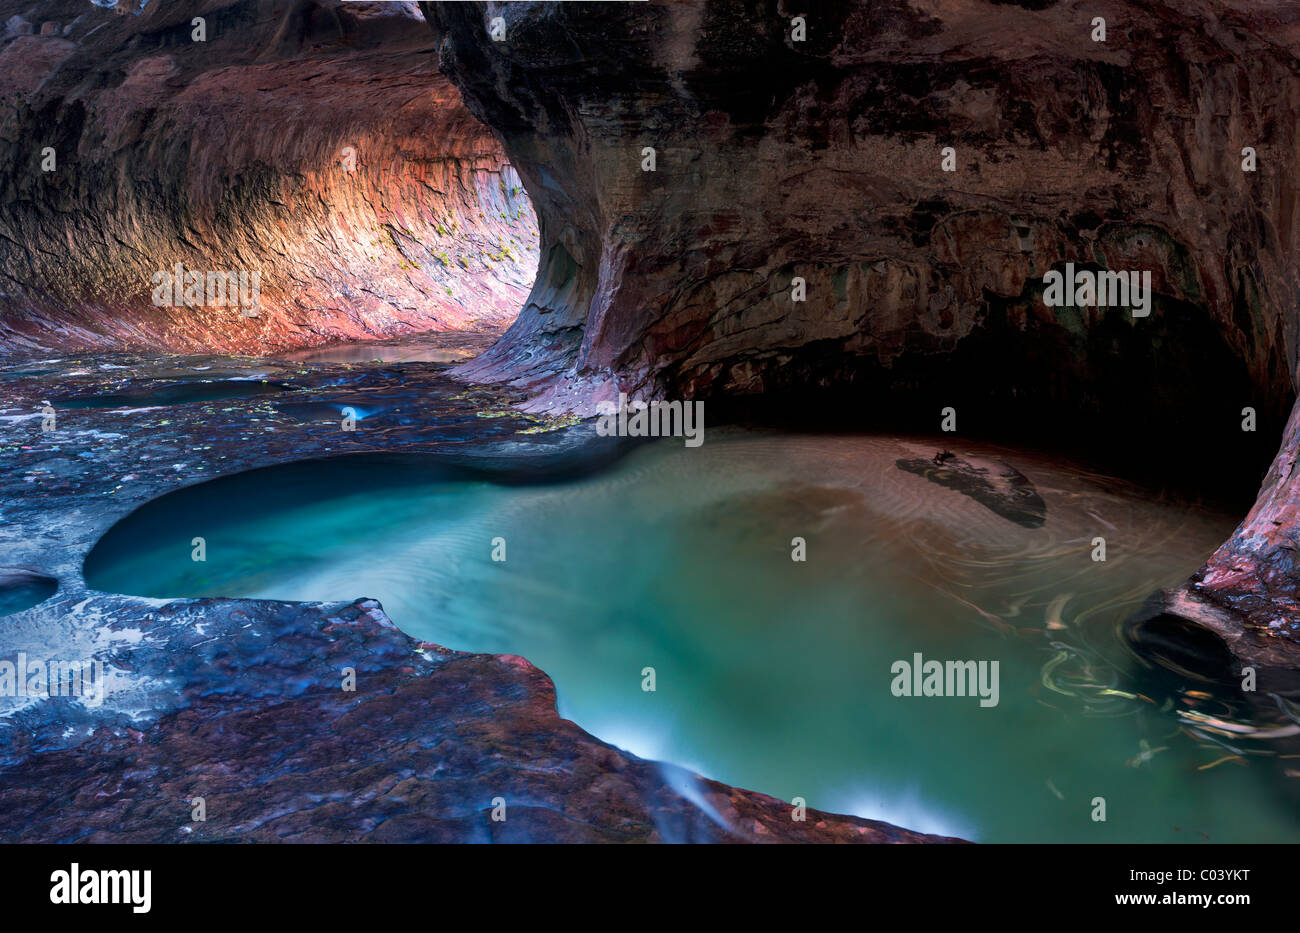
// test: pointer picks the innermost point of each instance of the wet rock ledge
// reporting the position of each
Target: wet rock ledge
(255, 720)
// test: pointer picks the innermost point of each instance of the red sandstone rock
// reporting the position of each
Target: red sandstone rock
(821, 159)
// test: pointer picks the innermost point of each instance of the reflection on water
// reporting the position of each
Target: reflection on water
(771, 673)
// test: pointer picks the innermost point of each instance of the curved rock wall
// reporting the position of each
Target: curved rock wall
(1249, 589)
(311, 141)
(821, 159)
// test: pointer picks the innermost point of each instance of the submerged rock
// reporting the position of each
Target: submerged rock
(994, 484)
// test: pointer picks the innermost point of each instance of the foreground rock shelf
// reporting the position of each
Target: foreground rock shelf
(241, 701)
(247, 711)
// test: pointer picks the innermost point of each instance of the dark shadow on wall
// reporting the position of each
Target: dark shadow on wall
(1158, 400)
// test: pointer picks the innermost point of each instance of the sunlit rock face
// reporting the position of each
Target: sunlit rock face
(313, 143)
(823, 159)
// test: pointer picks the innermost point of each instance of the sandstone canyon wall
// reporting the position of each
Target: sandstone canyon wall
(311, 141)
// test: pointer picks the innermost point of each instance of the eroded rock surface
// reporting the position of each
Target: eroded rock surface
(1249, 589)
(822, 159)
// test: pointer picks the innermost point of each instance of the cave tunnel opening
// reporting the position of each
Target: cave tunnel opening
(362, 197)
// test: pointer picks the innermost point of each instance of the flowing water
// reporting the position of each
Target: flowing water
(21, 590)
(773, 673)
